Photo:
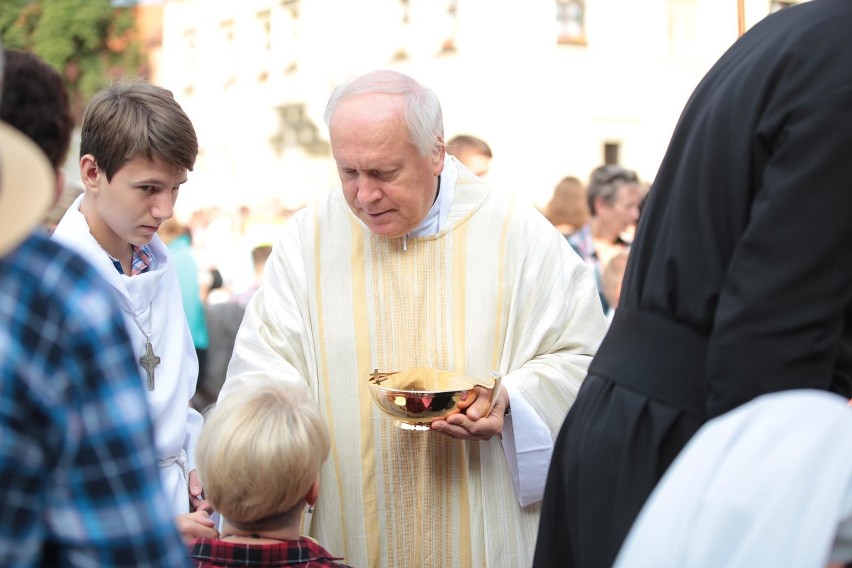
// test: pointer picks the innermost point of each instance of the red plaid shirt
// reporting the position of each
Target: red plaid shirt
(304, 553)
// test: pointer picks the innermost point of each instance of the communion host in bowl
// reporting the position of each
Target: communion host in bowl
(416, 397)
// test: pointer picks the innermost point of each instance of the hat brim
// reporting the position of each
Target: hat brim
(27, 185)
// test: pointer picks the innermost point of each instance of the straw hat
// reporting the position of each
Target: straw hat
(26, 187)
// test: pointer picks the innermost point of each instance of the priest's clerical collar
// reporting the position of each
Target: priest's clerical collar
(436, 218)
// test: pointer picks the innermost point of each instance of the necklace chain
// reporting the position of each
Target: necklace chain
(129, 308)
(136, 321)
(110, 254)
(149, 360)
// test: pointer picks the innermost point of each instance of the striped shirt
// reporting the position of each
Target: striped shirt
(78, 476)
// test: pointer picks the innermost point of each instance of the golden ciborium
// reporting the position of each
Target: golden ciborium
(416, 397)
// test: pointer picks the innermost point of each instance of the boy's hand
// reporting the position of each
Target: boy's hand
(197, 525)
(196, 491)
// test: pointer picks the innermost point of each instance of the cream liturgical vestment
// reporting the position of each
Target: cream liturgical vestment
(176, 425)
(496, 288)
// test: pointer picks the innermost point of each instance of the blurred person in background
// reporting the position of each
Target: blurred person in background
(223, 322)
(471, 151)
(259, 256)
(35, 102)
(568, 209)
(613, 276)
(613, 195)
(179, 242)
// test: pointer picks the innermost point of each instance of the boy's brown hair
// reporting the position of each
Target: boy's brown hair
(135, 118)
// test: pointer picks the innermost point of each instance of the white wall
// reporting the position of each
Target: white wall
(545, 109)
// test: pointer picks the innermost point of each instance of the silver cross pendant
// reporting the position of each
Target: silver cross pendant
(149, 361)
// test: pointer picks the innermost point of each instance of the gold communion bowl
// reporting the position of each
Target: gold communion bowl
(416, 397)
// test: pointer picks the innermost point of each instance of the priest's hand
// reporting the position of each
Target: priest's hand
(475, 422)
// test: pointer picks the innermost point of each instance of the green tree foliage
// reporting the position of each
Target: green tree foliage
(90, 42)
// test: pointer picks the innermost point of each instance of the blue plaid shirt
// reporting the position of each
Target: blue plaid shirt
(79, 484)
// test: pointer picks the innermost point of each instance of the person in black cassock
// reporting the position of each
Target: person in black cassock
(739, 281)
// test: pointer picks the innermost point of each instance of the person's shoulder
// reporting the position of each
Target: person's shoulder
(819, 16)
(39, 255)
(45, 270)
(806, 20)
(813, 32)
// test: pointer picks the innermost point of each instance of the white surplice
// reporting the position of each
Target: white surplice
(766, 484)
(176, 425)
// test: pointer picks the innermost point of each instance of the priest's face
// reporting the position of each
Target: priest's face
(386, 182)
(130, 207)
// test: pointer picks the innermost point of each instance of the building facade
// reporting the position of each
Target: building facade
(556, 87)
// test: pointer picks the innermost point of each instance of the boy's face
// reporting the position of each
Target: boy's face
(130, 207)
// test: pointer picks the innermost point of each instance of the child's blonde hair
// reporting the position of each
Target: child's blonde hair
(260, 451)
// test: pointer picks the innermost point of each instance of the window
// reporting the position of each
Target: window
(450, 27)
(190, 60)
(401, 54)
(263, 20)
(284, 38)
(227, 50)
(263, 45)
(571, 21)
(611, 150)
